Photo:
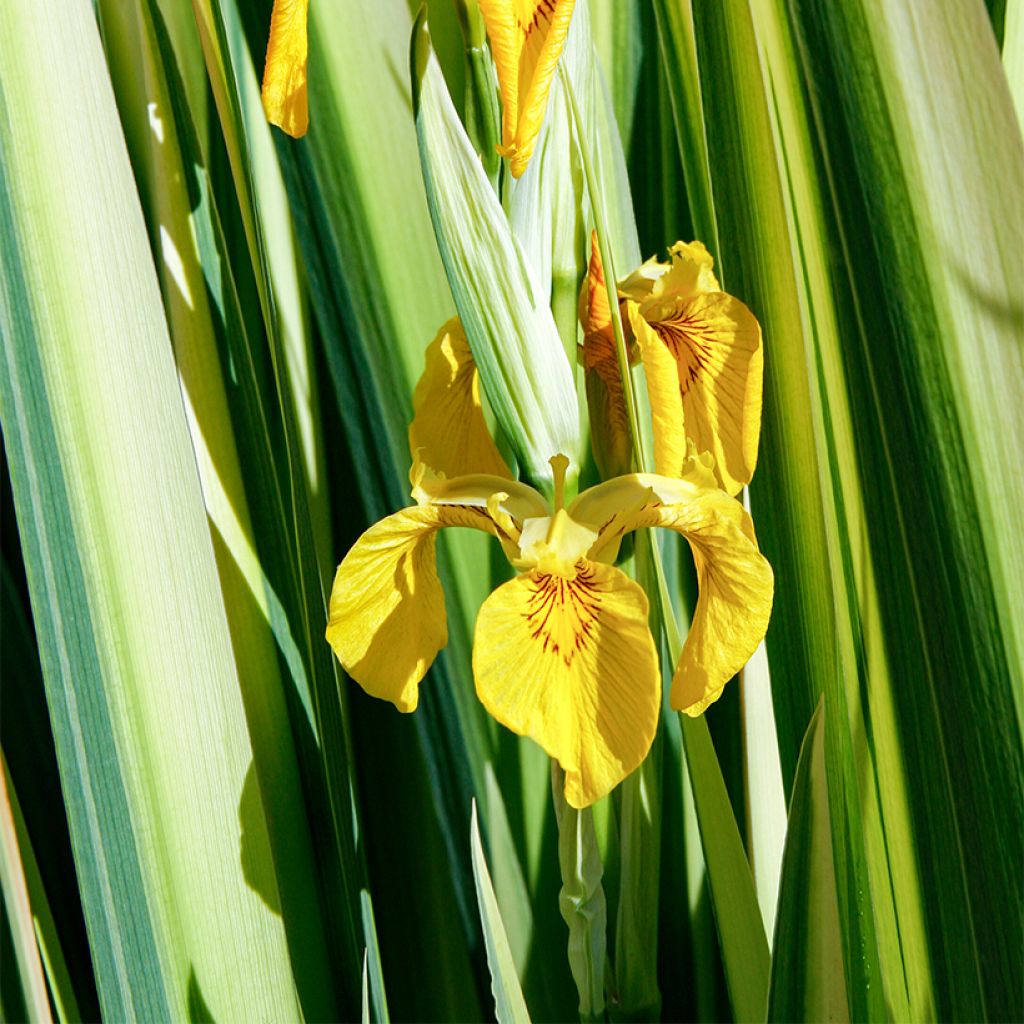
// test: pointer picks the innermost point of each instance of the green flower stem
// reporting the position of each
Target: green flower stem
(639, 845)
(484, 123)
(741, 930)
(600, 225)
(581, 899)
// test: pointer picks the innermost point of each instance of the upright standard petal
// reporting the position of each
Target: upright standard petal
(387, 617)
(448, 432)
(568, 659)
(526, 38)
(284, 75)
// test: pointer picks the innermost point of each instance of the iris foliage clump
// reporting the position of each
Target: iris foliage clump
(629, 391)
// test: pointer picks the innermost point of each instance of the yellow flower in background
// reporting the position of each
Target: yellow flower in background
(284, 74)
(526, 38)
(562, 653)
(702, 357)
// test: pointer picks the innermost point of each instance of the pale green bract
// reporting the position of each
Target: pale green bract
(506, 316)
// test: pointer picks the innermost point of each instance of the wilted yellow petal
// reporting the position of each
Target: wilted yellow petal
(284, 75)
(715, 342)
(448, 431)
(606, 405)
(735, 580)
(570, 662)
(387, 617)
(526, 38)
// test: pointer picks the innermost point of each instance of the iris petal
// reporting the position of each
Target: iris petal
(735, 581)
(448, 432)
(569, 661)
(735, 603)
(606, 404)
(387, 616)
(703, 362)
(715, 344)
(527, 37)
(284, 75)
(665, 396)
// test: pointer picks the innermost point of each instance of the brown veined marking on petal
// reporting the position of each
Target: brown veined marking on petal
(484, 520)
(713, 365)
(615, 527)
(574, 604)
(528, 19)
(531, 46)
(685, 340)
(538, 7)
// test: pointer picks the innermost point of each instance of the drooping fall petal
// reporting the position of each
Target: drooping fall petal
(387, 616)
(735, 580)
(448, 431)
(526, 39)
(736, 586)
(569, 661)
(284, 75)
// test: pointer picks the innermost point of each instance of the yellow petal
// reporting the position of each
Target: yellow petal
(639, 285)
(736, 586)
(448, 432)
(715, 342)
(705, 378)
(611, 509)
(690, 272)
(526, 38)
(387, 618)
(284, 75)
(594, 312)
(521, 501)
(609, 420)
(735, 580)
(664, 393)
(570, 662)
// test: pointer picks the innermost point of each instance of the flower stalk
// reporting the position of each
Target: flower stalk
(600, 224)
(581, 899)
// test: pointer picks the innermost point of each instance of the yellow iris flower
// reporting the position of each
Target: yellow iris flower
(562, 652)
(284, 74)
(527, 37)
(702, 357)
